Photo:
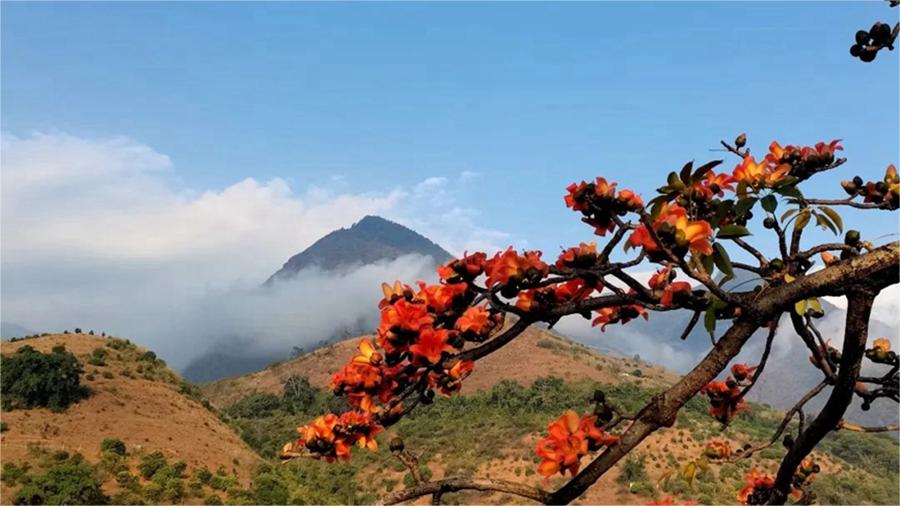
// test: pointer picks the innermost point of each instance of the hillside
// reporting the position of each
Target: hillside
(136, 399)
(491, 429)
(370, 240)
(534, 354)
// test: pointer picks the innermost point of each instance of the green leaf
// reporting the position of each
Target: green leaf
(703, 169)
(789, 191)
(802, 220)
(825, 223)
(744, 205)
(673, 179)
(732, 231)
(770, 203)
(686, 172)
(708, 262)
(835, 217)
(790, 212)
(723, 263)
(709, 319)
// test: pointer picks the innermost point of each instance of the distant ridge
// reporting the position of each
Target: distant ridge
(370, 240)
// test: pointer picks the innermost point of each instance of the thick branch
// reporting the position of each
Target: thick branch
(456, 484)
(856, 332)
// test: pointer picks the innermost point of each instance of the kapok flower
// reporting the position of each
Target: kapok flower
(359, 426)
(451, 381)
(568, 439)
(673, 226)
(510, 268)
(442, 298)
(431, 345)
(725, 400)
(582, 256)
(618, 314)
(742, 371)
(319, 438)
(394, 293)
(759, 175)
(758, 488)
(476, 320)
(717, 450)
(714, 185)
(599, 204)
(882, 344)
(466, 268)
(399, 322)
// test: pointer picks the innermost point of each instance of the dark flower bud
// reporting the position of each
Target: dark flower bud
(862, 37)
(741, 140)
(397, 445)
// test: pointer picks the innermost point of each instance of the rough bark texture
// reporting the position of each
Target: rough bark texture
(856, 332)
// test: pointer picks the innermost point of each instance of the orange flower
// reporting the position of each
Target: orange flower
(717, 450)
(725, 400)
(319, 438)
(582, 256)
(673, 221)
(674, 291)
(882, 344)
(760, 175)
(510, 267)
(402, 317)
(828, 258)
(367, 353)
(742, 371)
(451, 381)
(714, 185)
(630, 200)
(758, 488)
(359, 426)
(394, 293)
(466, 268)
(431, 345)
(599, 203)
(442, 298)
(618, 314)
(568, 439)
(476, 320)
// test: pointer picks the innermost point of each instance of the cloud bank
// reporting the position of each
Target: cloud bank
(101, 233)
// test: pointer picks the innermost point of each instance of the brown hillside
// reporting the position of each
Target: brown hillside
(535, 353)
(140, 405)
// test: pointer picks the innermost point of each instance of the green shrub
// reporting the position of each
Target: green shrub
(632, 470)
(4, 427)
(152, 463)
(299, 396)
(643, 488)
(203, 474)
(31, 379)
(258, 405)
(98, 357)
(213, 499)
(73, 481)
(148, 356)
(116, 446)
(269, 489)
(13, 473)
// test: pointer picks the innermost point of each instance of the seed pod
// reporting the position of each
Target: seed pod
(862, 37)
(741, 140)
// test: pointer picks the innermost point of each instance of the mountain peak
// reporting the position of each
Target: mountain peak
(371, 239)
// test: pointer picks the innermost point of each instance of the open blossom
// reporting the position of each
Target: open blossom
(582, 256)
(714, 185)
(760, 175)
(569, 439)
(618, 314)
(725, 399)
(331, 437)
(509, 267)
(394, 293)
(442, 298)
(742, 371)
(717, 450)
(673, 226)
(431, 345)
(671, 290)
(466, 268)
(399, 321)
(599, 204)
(758, 488)
(570, 291)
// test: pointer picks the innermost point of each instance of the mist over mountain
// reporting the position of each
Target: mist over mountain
(370, 240)
(9, 330)
(325, 293)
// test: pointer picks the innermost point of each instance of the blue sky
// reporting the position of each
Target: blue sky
(531, 96)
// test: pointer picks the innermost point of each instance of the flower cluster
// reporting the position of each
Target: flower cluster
(618, 314)
(726, 398)
(881, 352)
(509, 270)
(560, 293)
(331, 436)
(802, 162)
(569, 439)
(671, 291)
(582, 256)
(600, 203)
(885, 192)
(678, 233)
(464, 269)
(804, 474)
(758, 488)
(717, 450)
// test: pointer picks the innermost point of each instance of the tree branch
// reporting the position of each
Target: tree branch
(456, 484)
(856, 332)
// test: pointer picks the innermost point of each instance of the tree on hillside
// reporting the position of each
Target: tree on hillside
(430, 338)
(31, 379)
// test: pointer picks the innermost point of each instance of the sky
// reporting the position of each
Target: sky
(154, 153)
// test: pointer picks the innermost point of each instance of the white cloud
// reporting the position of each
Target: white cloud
(100, 233)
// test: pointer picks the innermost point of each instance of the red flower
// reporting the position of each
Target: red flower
(510, 267)
(725, 399)
(431, 345)
(394, 293)
(717, 450)
(476, 320)
(673, 291)
(568, 439)
(618, 314)
(466, 268)
(582, 256)
(399, 321)
(758, 488)
(742, 371)
(442, 298)
(673, 222)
